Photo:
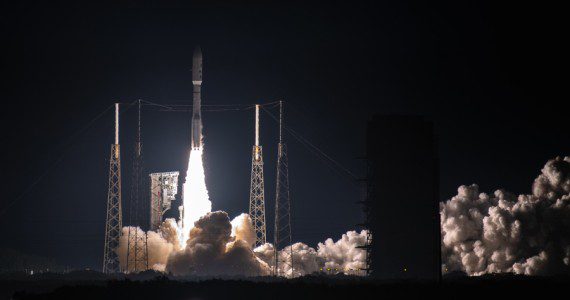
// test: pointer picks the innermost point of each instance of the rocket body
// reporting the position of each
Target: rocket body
(196, 138)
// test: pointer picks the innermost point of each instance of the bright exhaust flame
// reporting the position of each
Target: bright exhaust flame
(196, 202)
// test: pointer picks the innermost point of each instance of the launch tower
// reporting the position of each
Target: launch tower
(257, 192)
(113, 222)
(282, 235)
(137, 253)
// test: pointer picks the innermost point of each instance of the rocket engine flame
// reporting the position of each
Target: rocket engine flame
(196, 201)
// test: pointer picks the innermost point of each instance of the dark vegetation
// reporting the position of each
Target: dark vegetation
(150, 285)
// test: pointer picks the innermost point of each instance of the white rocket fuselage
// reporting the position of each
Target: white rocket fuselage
(196, 139)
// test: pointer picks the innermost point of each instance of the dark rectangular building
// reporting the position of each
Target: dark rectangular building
(402, 205)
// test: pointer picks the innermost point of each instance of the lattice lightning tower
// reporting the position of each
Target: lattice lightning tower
(137, 254)
(256, 192)
(282, 233)
(114, 221)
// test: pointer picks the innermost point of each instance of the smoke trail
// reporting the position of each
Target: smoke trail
(196, 202)
(528, 234)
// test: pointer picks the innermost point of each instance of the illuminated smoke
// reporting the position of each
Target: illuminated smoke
(305, 260)
(196, 202)
(242, 229)
(528, 234)
(330, 257)
(172, 237)
(208, 243)
(212, 250)
(344, 254)
(159, 249)
(218, 246)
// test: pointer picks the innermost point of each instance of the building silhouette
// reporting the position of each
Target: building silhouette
(402, 204)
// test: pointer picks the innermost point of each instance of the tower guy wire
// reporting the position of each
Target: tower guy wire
(257, 189)
(320, 154)
(137, 248)
(65, 145)
(114, 221)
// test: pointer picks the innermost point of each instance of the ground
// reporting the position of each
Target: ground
(92, 285)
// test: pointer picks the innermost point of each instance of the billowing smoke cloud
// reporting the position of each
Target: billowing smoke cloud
(344, 254)
(528, 234)
(242, 229)
(218, 246)
(331, 257)
(212, 250)
(305, 260)
(169, 230)
(159, 249)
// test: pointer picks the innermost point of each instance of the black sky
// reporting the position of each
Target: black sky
(492, 76)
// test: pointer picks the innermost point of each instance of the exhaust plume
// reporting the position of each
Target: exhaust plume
(196, 201)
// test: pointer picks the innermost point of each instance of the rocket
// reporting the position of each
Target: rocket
(196, 139)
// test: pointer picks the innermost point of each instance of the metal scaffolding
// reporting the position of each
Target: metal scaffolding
(367, 208)
(282, 234)
(163, 189)
(257, 192)
(114, 220)
(137, 254)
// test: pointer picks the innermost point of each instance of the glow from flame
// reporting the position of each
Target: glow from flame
(196, 201)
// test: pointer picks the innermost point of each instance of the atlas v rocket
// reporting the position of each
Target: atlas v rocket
(196, 138)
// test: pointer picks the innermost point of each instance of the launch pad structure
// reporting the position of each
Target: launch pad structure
(114, 220)
(257, 188)
(163, 189)
(137, 247)
(282, 231)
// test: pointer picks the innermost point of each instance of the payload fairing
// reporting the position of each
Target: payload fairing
(196, 139)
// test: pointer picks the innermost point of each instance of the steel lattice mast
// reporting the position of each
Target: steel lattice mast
(137, 254)
(257, 193)
(282, 234)
(114, 220)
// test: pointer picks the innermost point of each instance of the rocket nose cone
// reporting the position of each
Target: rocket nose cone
(197, 53)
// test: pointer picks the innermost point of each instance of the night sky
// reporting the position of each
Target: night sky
(488, 74)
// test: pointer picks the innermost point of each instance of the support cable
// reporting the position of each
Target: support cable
(325, 158)
(67, 144)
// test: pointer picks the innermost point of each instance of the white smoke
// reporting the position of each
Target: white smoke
(208, 243)
(158, 249)
(212, 250)
(242, 229)
(218, 246)
(344, 254)
(305, 260)
(528, 234)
